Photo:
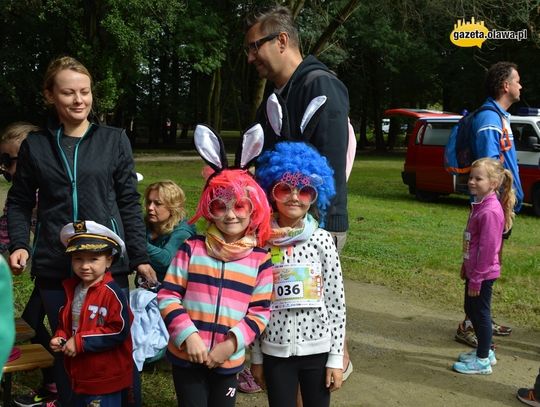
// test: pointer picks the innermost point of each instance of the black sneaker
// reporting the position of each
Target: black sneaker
(527, 396)
(36, 398)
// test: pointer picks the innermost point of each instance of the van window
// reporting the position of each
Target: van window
(437, 134)
(525, 136)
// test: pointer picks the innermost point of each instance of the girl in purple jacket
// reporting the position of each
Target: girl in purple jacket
(491, 215)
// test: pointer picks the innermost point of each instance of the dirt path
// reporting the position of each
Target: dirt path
(403, 350)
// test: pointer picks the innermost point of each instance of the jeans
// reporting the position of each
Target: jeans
(34, 316)
(101, 400)
(479, 311)
(52, 299)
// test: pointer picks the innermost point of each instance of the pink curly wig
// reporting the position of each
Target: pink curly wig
(242, 183)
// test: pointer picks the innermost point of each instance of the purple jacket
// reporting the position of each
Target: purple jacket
(483, 241)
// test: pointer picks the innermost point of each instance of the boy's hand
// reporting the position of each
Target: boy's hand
(17, 261)
(196, 349)
(70, 349)
(221, 352)
(57, 343)
(334, 378)
(258, 375)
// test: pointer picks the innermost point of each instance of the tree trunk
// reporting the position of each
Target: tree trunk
(363, 141)
(210, 96)
(257, 98)
(295, 6)
(338, 20)
(175, 100)
(216, 99)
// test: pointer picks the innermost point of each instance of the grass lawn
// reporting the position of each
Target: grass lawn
(393, 240)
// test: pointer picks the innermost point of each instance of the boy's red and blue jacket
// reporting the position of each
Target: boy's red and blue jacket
(104, 362)
(212, 297)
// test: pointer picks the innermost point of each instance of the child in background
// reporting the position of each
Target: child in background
(94, 325)
(34, 312)
(491, 215)
(10, 143)
(166, 228)
(215, 297)
(303, 343)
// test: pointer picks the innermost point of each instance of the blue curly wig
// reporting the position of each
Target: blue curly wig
(298, 157)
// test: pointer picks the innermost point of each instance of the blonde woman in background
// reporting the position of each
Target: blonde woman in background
(166, 227)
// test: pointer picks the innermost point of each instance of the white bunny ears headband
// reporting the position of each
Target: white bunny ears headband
(210, 147)
(276, 112)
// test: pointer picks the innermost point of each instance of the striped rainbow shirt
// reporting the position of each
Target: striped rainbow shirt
(212, 297)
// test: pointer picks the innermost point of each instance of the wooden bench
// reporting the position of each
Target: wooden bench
(33, 356)
(23, 331)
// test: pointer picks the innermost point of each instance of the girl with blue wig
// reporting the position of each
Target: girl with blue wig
(303, 342)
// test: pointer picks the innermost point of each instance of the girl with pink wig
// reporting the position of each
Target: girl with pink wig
(215, 297)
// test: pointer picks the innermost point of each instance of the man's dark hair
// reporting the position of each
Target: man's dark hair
(274, 20)
(496, 75)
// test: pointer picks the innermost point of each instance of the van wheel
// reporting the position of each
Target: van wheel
(536, 200)
(426, 196)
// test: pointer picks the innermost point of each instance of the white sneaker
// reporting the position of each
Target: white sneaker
(466, 357)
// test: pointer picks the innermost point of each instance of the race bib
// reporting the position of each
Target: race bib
(297, 286)
(466, 244)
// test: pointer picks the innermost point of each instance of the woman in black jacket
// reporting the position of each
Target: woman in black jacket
(82, 170)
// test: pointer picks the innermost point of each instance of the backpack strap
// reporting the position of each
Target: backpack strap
(505, 143)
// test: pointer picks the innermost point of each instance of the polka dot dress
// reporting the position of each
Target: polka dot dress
(305, 331)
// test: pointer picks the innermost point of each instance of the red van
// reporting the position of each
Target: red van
(424, 171)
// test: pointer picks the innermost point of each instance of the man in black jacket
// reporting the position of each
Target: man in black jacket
(272, 45)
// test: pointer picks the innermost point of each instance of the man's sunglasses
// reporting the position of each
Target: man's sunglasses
(255, 45)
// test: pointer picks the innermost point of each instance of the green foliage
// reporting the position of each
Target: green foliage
(154, 60)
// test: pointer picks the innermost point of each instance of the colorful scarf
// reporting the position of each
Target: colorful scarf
(218, 248)
(287, 236)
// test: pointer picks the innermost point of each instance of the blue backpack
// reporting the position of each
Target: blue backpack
(460, 151)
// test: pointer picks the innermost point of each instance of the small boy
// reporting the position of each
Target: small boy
(94, 327)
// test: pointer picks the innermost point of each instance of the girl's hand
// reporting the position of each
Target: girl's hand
(258, 375)
(221, 352)
(196, 349)
(69, 348)
(57, 343)
(334, 379)
(473, 293)
(462, 272)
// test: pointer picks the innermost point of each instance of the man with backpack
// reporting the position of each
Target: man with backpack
(272, 46)
(492, 137)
